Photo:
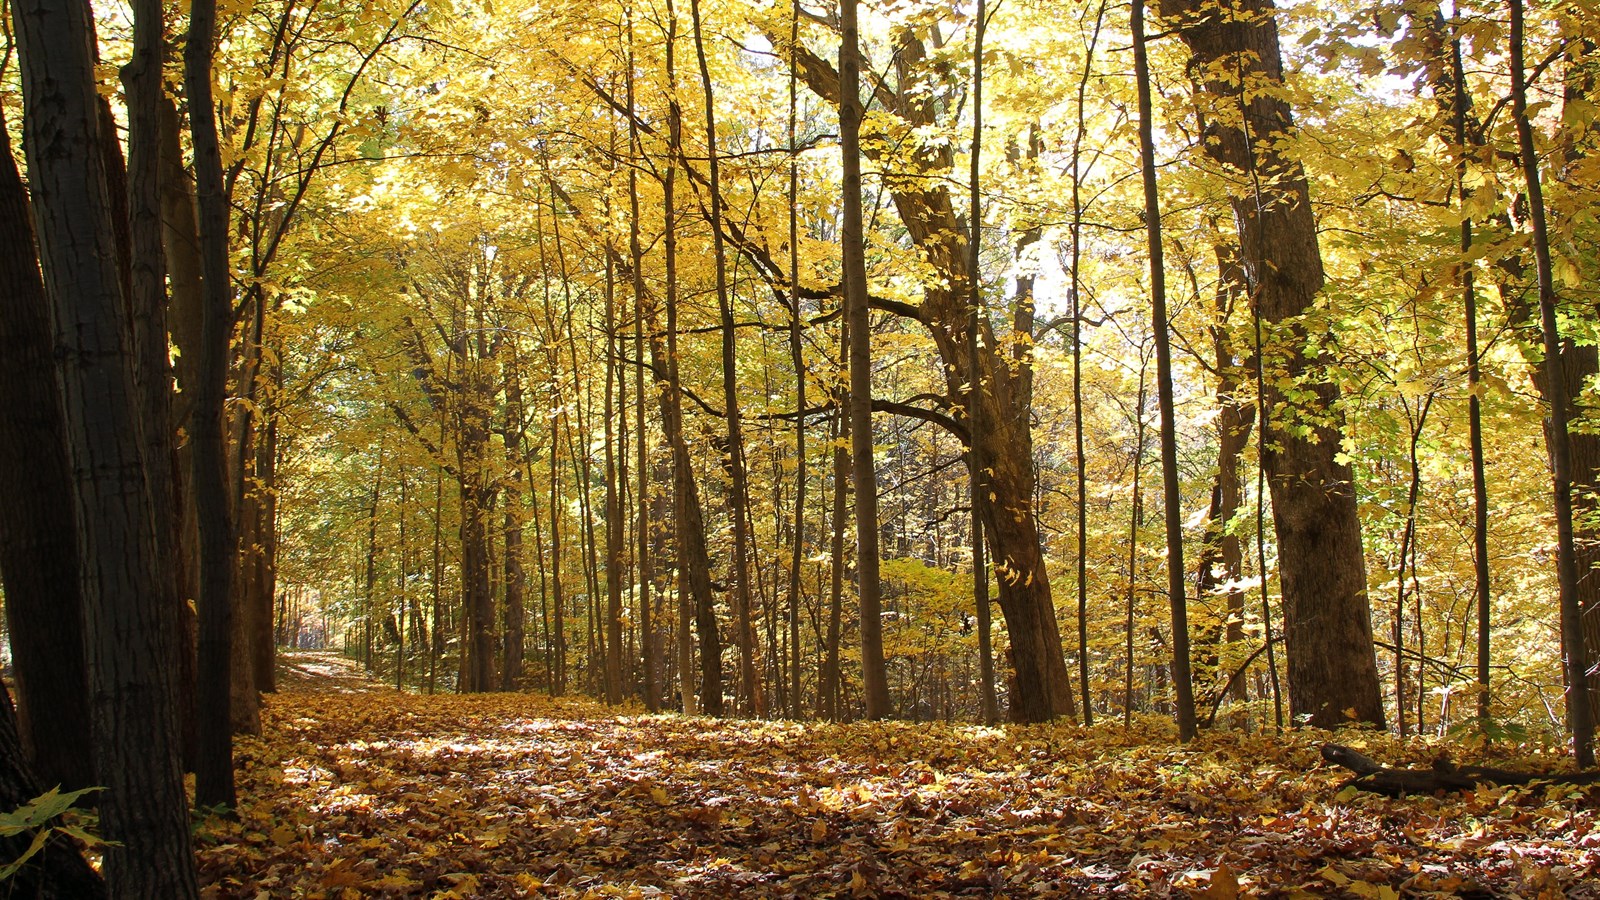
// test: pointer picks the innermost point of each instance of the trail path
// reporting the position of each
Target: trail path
(360, 791)
(323, 672)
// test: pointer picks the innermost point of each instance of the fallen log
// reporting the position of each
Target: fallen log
(1443, 776)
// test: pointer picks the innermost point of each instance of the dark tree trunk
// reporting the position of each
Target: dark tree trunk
(1579, 713)
(38, 538)
(218, 548)
(749, 688)
(181, 241)
(472, 456)
(129, 606)
(1327, 614)
(264, 651)
(648, 627)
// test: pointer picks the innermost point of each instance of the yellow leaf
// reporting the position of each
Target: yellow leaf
(659, 795)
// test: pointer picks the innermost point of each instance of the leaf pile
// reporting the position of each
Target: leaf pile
(514, 795)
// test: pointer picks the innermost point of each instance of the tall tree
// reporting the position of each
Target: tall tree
(38, 538)
(129, 606)
(1160, 328)
(974, 410)
(694, 567)
(750, 696)
(864, 472)
(1579, 714)
(213, 518)
(1333, 671)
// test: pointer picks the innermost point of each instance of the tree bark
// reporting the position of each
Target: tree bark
(1333, 674)
(516, 577)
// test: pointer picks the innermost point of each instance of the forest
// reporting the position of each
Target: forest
(1004, 415)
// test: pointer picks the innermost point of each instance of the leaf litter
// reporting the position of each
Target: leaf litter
(357, 794)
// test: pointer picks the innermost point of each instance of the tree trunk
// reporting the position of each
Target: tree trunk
(977, 493)
(38, 540)
(649, 643)
(1221, 565)
(750, 698)
(472, 457)
(129, 604)
(830, 706)
(1333, 674)
(213, 518)
(1579, 714)
(516, 577)
(614, 516)
(864, 473)
(181, 240)
(694, 565)
(1161, 328)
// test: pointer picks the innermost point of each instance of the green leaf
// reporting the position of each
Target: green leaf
(15, 866)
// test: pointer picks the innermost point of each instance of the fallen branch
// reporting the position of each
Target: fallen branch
(1443, 776)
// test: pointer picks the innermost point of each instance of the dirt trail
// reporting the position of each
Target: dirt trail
(323, 672)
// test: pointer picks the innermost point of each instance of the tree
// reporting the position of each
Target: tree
(130, 611)
(1333, 673)
(213, 518)
(38, 539)
(863, 469)
(1160, 327)
(1005, 449)
(1579, 720)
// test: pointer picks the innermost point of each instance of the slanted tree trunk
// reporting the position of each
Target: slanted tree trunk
(1221, 564)
(1005, 448)
(694, 569)
(38, 538)
(1333, 669)
(130, 609)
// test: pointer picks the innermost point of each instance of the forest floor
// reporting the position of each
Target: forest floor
(359, 791)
